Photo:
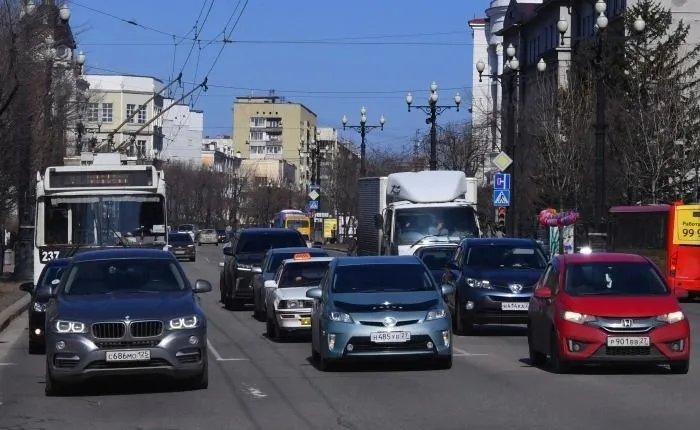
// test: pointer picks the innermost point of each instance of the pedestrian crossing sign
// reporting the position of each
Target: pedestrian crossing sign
(501, 198)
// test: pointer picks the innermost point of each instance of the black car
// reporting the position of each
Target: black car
(244, 256)
(436, 257)
(494, 278)
(126, 311)
(182, 246)
(41, 293)
(223, 237)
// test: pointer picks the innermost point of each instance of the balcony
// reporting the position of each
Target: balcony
(273, 127)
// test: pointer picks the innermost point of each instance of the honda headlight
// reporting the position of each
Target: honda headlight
(290, 304)
(436, 314)
(184, 323)
(577, 318)
(479, 283)
(340, 317)
(672, 317)
(65, 327)
(39, 307)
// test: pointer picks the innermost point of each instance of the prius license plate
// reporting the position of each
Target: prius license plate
(390, 337)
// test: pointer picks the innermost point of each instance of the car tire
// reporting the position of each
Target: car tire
(270, 329)
(461, 327)
(259, 315)
(52, 388)
(537, 358)
(36, 348)
(557, 365)
(443, 363)
(199, 382)
(680, 367)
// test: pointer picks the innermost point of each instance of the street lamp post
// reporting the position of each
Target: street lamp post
(601, 105)
(433, 110)
(363, 129)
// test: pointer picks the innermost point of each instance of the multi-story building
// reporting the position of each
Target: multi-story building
(114, 99)
(219, 158)
(270, 128)
(183, 129)
(220, 140)
(281, 173)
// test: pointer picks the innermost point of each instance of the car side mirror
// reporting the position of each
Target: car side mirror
(228, 251)
(202, 286)
(379, 222)
(270, 284)
(543, 293)
(447, 289)
(27, 287)
(314, 293)
(256, 269)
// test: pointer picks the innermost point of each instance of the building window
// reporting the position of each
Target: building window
(140, 149)
(257, 149)
(130, 111)
(274, 149)
(141, 116)
(257, 135)
(107, 112)
(257, 121)
(93, 112)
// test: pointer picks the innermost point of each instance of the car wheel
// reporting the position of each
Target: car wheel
(258, 315)
(680, 367)
(461, 327)
(556, 363)
(52, 388)
(199, 382)
(36, 348)
(270, 329)
(537, 358)
(443, 363)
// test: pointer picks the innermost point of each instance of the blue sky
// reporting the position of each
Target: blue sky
(370, 53)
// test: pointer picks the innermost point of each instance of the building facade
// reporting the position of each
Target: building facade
(183, 129)
(271, 128)
(219, 158)
(281, 173)
(121, 109)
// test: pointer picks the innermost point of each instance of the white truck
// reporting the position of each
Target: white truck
(403, 212)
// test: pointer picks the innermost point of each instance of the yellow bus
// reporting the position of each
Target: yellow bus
(296, 219)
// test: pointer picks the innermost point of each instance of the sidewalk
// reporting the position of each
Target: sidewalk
(12, 301)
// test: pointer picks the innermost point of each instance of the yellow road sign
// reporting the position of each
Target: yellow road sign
(686, 231)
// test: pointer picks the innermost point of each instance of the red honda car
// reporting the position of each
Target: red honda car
(606, 308)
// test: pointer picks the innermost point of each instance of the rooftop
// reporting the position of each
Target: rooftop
(602, 257)
(381, 260)
(122, 253)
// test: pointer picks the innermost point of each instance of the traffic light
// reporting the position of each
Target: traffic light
(501, 218)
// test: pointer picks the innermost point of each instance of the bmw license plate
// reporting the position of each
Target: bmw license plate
(390, 337)
(629, 341)
(137, 355)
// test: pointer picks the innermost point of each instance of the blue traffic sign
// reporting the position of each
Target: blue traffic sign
(313, 205)
(501, 198)
(501, 181)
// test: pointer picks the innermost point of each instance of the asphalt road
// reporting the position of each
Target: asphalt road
(259, 384)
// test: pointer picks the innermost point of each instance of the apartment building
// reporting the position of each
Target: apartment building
(220, 158)
(113, 99)
(260, 172)
(271, 128)
(183, 128)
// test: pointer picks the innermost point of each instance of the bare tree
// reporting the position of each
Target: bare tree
(562, 121)
(343, 186)
(457, 148)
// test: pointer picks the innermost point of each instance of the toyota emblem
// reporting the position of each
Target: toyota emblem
(389, 322)
(515, 288)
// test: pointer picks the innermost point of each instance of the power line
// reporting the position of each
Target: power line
(127, 21)
(291, 42)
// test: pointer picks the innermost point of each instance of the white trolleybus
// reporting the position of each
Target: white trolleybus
(102, 205)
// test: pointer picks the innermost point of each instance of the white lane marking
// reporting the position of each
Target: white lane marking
(254, 391)
(7, 364)
(219, 357)
(463, 353)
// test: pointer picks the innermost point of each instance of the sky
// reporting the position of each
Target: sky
(333, 56)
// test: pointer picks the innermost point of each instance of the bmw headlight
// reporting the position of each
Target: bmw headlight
(39, 307)
(672, 317)
(436, 314)
(340, 317)
(65, 327)
(479, 283)
(577, 318)
(184, 322)
(290, 304)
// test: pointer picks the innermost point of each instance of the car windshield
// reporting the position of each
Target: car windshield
(179, 239)
(208, 232)
(376, 278)
(505, 257)
(185, 227)
(124, 276)
(614, 279)
(437, 258)
(429, 223)
(278, 258)
(258, 243)
(303, 274)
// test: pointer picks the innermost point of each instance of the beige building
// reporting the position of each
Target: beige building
(112, 99)
(270, 128)
(279, 172)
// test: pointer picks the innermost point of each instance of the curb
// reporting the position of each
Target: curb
(13, 311)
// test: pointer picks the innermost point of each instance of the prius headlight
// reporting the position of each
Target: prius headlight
(340, 317)
(184, 322)
(65, 327)
(479, 283)
(436, 314)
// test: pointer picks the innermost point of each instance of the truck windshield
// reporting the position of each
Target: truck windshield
(452, 223)
(103, 220)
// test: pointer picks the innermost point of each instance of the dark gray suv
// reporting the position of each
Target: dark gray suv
(244, 256)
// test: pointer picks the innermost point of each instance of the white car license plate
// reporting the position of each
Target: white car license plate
(630, 341)
(515, 306)
(140, 355)
(390, 337)
(179, 252)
